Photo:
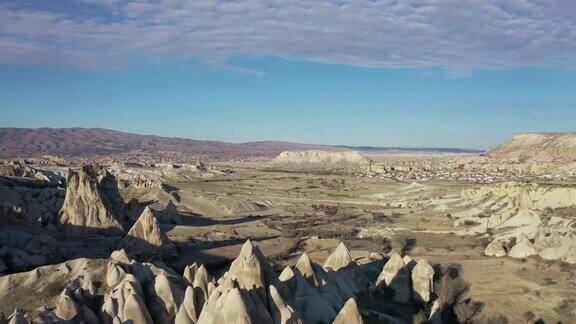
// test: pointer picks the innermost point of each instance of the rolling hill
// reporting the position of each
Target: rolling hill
(539, 147)
(86, 142)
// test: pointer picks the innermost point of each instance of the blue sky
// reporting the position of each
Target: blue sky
(381, 73)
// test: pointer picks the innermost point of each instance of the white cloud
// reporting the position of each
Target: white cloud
(456, 35)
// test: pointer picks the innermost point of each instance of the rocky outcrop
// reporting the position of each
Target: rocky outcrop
(15, 169)
(252, 271)
(343, 264)
(201, 284)
(521, 211)
(87, 207)
(280, 311)
(349, 314)
(422, 282)
(318, 294)
(188, 312)
(135, 292)
(495, 248)
(234, 305)
(126, 302)
(36, 202)
(130, 178)
(522, 249)
(147, 238)
(164, 298)
(532, 196)
(189, 273)
(395, 276)
(260, 286)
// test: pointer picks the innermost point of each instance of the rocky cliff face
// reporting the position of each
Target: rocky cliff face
(515, 214)
(87, 206)
(543, 147)
(522, 195)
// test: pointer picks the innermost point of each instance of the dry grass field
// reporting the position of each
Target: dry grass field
(288, 213)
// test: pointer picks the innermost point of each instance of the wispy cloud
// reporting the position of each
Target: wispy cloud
(456, 35)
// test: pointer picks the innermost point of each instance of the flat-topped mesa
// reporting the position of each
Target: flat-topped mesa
(146, 237)
(316, 159)
(86, 206)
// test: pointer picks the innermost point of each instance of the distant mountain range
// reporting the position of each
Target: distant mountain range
(85, 142)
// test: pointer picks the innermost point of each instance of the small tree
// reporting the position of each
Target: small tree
(398, 243)
(451, 290)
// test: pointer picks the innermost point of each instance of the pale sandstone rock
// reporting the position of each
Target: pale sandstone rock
(522, 249)
(340, 258)
(163, 300)
(115, 302)
(33, 277)
(228, 304)
(422, 281)
(341, 262)
(559, 251)
(67, 309)
(189, 273)
(187, 314)
(319, 159)
(349, 314)
(395, 276)
(202, 280)
(252, 270)
(538, 147)
(146, 237)
(280, 311)
(320, 281)
(86, 207)
(135, 310)
(570, 257)
(495, 248)
(6, 284)
(120, 256)
(312, 307)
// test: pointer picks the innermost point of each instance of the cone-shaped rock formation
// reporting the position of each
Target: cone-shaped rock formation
(86, 206)
(146, 237)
